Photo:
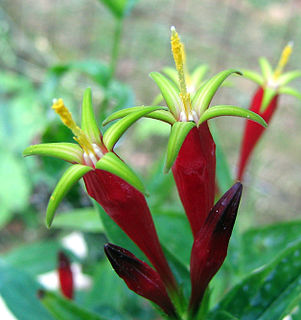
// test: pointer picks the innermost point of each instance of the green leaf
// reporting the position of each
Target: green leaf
(88, 124)
(267, 293)
(16, 185)
(290, 91)
(115, 6)
(111, 163)
(163, 115)
(62, 308)
(225, 110)
(288, 77)
(253, 76)
(266, 68)
(261, 245)
(70, 177)
(65, 151)
(96, 70)
(113, 134)
(172, 74)
(169, 92)
(175, 234)
(85, 219)
(106, 281)
(205, 94)
(268, 95)
(177, 136)
(119, 8)
(34, 258)
(222, 315)
(19, 292)
(198, 75)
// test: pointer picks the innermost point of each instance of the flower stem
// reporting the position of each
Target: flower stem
(113, 66)
(116, 47)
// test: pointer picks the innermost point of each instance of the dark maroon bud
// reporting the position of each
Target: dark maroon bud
(211, 244)
(139, 277)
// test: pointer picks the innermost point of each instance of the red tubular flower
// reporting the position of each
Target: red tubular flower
(65, 275)
(191, 149)
(194, 174)
(265, 102)
(210, 246)
(139, 277)
(107, 178)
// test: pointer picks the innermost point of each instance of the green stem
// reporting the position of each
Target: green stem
(113, 65)
(116, 47)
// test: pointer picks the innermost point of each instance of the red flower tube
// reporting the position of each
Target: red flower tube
(265, 102)
(107, 178)
(128, 208)
(210, 246)
(65, 275)
(194, 174)
(139, 277)
(253, 131)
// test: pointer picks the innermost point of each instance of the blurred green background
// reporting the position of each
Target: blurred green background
(52, 49)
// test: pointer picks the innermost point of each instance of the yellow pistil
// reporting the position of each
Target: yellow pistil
(186, 73)
(179, 58)
(66, 117)
(285, 55)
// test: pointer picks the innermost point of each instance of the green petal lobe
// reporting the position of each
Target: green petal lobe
(205, 94)
(266, 68)
(288, 77)
(88, 124)
(198, 75)
(172, 74)
(66, 151)
(169, 92)
(163, 114)
(268, 95)
(113, 134)
(253, 76)
(225, 110)
(290, 91)
(111, 163)
(157, 100)
(177, 136)
(69, 178)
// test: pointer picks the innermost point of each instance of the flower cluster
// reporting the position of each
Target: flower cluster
(190, 155)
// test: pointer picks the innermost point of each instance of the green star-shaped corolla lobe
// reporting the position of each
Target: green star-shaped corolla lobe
(94, 152)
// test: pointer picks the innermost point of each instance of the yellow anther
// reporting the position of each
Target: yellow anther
(66, 117)
(178, 52)
(285, 55)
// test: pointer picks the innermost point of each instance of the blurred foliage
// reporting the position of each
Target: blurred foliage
(35, 67)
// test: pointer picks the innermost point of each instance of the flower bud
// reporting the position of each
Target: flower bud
(210, 246)
(139, 276)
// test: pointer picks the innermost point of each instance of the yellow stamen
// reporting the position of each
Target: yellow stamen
(179, 58)
(66, 117)
(285, 55)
